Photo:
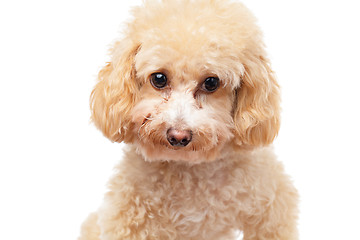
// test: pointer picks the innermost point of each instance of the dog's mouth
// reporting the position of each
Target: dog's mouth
(160, 141)
(194, 152)
(178, 148)
(157, 138)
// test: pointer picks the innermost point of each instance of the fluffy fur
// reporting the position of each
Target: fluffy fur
(226, 178)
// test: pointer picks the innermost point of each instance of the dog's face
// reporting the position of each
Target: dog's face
(186, 82)
(185, 102)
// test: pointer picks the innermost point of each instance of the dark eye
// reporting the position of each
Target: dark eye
(210, 84)
(158, 80)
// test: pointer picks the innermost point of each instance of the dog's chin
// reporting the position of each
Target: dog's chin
(188, 154)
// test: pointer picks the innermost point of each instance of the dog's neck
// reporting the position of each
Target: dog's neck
(225, 153)
(206, 169)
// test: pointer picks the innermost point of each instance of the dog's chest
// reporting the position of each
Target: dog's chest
(191, 199)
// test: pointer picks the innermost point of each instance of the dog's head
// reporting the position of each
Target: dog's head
(188, 79)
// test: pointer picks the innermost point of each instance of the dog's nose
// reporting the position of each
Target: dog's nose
(179, 138)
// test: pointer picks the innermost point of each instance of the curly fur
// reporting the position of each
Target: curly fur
(226, 179)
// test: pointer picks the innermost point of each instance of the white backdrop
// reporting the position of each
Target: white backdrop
(54, 164)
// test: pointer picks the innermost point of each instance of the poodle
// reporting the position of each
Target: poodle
(190, 91)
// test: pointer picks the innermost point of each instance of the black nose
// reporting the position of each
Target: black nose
(179, 138)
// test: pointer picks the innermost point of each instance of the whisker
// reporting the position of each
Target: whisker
(143, 124)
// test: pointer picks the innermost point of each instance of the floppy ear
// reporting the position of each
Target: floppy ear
(257, 110)
(115, 93)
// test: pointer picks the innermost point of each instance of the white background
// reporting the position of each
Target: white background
(55, 164)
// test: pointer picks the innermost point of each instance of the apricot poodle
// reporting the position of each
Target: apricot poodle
(190, 90)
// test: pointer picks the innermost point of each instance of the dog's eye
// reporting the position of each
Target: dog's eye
(210, 84)
(158, 80)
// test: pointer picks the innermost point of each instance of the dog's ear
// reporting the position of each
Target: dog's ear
(256, 109)
(115, 93)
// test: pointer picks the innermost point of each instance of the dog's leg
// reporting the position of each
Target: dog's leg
(269, 209)
(131, 217)
(90, 229)
(274, 218)
(278, 221)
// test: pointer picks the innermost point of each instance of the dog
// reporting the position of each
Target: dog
(191, 92)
